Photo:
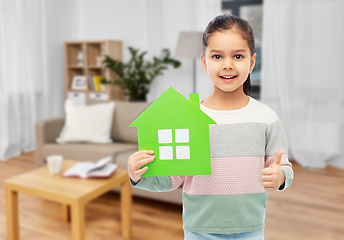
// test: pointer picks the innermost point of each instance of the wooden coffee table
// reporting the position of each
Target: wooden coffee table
(72, 193)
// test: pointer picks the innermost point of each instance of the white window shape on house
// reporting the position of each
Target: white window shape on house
(165, 136)
(182, 135)
(166, 153)
(183, 152)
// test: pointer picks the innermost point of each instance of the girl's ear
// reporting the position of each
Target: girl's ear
(253, 62)
(204, 63)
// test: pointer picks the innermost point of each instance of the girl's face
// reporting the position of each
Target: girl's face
(228, 60)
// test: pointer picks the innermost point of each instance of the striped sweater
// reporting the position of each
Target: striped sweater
(232, 199)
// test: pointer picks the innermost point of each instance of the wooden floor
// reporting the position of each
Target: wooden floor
(311, 209)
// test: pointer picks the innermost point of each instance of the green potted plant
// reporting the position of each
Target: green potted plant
(137, 74)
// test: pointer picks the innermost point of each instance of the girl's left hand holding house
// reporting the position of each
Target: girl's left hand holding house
(273, 176)
(136, 161)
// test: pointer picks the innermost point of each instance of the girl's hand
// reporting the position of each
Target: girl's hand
(273, 176)
(136, 161)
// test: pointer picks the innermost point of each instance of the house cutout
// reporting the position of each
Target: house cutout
(177, 130)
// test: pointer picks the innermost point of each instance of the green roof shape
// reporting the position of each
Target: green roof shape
(177, 130)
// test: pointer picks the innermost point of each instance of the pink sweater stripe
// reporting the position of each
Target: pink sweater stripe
(230, 175)
(176, 181)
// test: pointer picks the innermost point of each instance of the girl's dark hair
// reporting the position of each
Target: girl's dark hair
(226, 22)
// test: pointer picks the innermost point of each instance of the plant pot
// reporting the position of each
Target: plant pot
(138, 99)
(103, 87)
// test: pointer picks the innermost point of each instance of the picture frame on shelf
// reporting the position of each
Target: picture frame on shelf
(79, 83)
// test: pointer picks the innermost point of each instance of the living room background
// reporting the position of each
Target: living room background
(32, 79)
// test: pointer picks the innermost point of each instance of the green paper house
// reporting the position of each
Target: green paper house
(177, 130)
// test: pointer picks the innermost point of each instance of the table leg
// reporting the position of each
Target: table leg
(12, 215)
(78, 222)
(66, 212)
(126, 209)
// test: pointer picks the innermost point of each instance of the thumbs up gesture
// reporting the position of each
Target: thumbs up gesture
(273, 176)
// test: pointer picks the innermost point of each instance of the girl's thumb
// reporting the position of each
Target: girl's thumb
(278, 158)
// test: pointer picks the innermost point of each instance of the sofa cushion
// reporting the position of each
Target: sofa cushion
(87, 151)
(87, 123)
(122, 158)
(125, 113)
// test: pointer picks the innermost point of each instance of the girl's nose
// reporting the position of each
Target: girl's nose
(227, 64)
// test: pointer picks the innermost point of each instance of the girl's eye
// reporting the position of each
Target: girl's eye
(217, 57)
(238, 56)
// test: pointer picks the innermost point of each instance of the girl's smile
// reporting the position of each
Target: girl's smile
(228, 78)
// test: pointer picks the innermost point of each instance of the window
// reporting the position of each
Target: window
(181, 143)
(252, 11)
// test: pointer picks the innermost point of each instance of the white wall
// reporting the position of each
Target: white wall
(123, 20)
(62, 25)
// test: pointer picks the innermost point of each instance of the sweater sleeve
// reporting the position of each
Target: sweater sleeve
(276, 140)
(159, 184)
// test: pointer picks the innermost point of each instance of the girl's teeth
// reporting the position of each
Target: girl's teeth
(228, 77)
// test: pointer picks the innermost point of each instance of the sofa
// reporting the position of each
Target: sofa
(124, 144)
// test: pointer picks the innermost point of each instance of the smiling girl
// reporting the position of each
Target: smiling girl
(228, 59)
(248, 145)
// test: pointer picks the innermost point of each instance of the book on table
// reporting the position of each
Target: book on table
(101, 169)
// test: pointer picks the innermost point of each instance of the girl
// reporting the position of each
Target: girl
(248, 145)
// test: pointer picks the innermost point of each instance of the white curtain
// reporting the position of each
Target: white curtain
(165, 20)
(24, 91)
(302, 76)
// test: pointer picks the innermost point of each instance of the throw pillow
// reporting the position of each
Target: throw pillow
(87, 123)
